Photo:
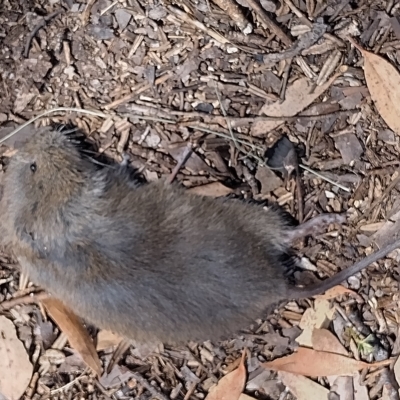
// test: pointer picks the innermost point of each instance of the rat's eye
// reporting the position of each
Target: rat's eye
(33, 167)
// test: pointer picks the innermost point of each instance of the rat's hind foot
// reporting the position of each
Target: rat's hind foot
(314, 226)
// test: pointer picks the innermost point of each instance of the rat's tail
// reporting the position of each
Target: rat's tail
(320, 287)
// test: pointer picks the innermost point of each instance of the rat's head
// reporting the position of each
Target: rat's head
(46, 173)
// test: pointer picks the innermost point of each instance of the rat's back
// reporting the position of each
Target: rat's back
(155, 263)
(150, 262)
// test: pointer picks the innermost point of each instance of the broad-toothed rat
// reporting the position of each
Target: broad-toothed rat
(152, 262)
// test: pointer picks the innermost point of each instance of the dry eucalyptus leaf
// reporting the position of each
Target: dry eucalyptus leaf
(386, 394)
(302, 387)
(385, 233)
(360, 391)
(314, 318)
(118, 375)
(269, 181)
(342, 388)
(50, 357)
(231, 386)
(336, 291)
(325, 340)
(349, 146)
(76, 333)
(194, 163)
(246, 397)
(383, 81)
(315, 363)
(22, 100)
(107, 339)
(213, 189)
(299, 95)
(15, 366)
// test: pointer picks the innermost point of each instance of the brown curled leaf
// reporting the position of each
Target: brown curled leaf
(315, 363)
(299, 95)
(231, 386)
(302, 387)
(336, 291)
(76, 333)
(325, 340)
(383, 81)
(15, 367)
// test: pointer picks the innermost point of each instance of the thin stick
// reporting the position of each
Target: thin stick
(121, 349)
(181, 162)
(228, 122)
(36, 298)
(325, 178)
(86, 14)
(253, 146)
(154, 392)
(109, 7)
(282, 92)
(384, 194)
(40, 25)
(269, 23)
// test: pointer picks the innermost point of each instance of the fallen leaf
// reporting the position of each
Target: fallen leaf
(76, 333)
(383, 81)
(349, 146)
(325, 340)
(118, 376)
(342, 388)
(269, 181)
(23, 98)
(386, 395)
(303, 388)
(50, 357)
(194, 163)
(15, 366)
(315, 363)
(107, 339)
(261, 378)
(231, 386)
(213, 189)
(385, 234)
(122, 347)
(246, 397)
(314, 318)
(360, 391)
(336, 291)
(143, 350)
(299, 95)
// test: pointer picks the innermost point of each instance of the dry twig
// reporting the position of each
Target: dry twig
(271, 25)
(40, 25)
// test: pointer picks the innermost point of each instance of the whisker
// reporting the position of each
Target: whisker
(67, 129)
(97, 162)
